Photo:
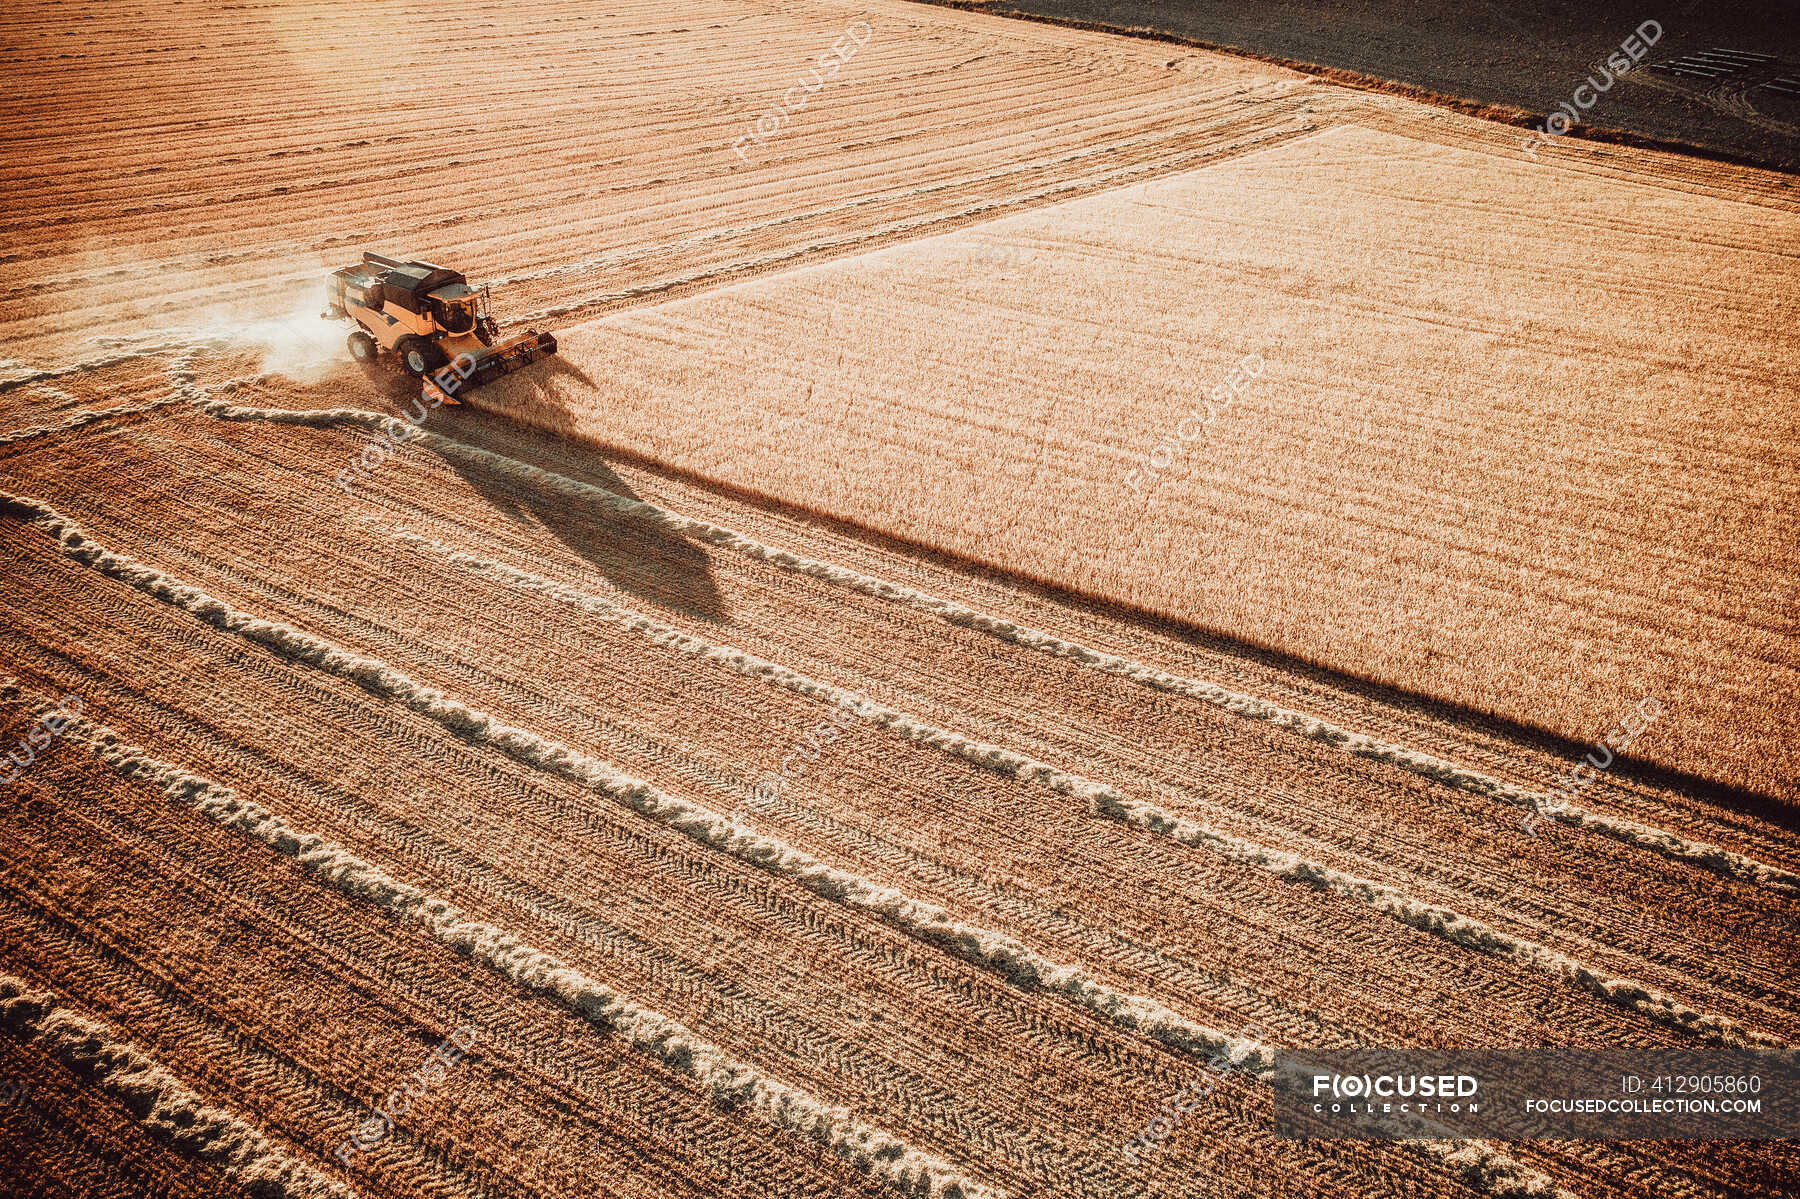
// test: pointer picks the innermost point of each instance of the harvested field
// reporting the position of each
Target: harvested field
(769, 748)
(1447, 424)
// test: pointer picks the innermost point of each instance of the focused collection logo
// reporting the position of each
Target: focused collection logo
(1553, 1094)
(1339, 1094)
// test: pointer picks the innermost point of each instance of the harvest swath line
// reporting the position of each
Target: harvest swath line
(157, 1098)
(574, 920)
(878, 1153)
(182, 385)
(1260, 137)
(1022, 967)
(1108, 801)
(1041, 1021)
(537, 699)
(77, 946)
(90, 364)
(83, 418)
(306, 170)
(1727, 863)
(924, 921)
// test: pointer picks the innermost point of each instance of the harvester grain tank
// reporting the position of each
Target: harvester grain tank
(441, 329)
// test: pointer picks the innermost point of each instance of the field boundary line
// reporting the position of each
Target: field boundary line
(1107, 801)
(1724, 862)
(819, 253)
(1482, 1164)
(1498, 112)
(727, 1079)
(999, 174)
(157, 1098)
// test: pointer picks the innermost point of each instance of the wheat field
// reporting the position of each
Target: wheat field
(1481, 457)
(773, 748)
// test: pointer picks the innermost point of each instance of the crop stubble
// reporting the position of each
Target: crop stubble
(1020, 1088)
(1576, 471)
(662, 733)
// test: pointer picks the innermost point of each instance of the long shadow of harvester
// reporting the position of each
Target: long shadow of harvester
(637, 555)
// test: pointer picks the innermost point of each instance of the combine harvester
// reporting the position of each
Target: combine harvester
(432, 320)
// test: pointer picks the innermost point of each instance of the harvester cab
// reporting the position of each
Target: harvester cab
(438, 326)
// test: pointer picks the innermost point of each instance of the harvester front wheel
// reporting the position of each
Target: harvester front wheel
(362, 346)
(419, 356)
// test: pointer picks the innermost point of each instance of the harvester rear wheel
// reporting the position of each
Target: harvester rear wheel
(362, 346)
(419, 356)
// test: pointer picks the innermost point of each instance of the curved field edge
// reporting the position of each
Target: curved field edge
(1497, 111)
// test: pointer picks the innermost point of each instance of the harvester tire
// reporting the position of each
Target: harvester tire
(362, 346)
(419, 356)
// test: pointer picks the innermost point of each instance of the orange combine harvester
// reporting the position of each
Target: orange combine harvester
(429, 317)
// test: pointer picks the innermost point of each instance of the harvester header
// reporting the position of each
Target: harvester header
(440, 328)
